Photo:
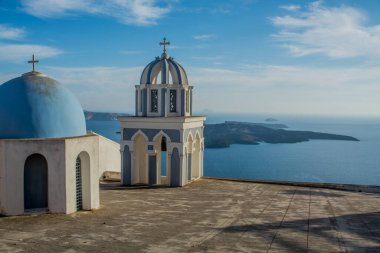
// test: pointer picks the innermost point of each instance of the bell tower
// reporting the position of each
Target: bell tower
(163, 143)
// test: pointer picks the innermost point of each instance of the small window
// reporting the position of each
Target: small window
(154, 100)
(173, 101)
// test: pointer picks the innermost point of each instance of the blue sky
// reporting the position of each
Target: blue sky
(249, 56)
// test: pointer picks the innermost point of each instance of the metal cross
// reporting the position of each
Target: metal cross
(33, 61)
(164, 44)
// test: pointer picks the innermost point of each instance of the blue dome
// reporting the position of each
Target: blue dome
(36, 106)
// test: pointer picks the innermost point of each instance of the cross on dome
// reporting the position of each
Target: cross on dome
(33, 61)
(164, 43)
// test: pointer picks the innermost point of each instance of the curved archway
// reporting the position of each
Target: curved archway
(83, 183)
(35, 182)
(139, 132)
(140, 158)
(160, 135)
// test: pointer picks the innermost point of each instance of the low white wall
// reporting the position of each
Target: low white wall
(109, 156)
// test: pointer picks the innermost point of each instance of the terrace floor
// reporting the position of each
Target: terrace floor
(206, 216)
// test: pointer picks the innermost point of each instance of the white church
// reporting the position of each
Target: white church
(50, 163)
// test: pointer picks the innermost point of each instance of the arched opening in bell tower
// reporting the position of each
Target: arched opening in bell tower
(161, 147)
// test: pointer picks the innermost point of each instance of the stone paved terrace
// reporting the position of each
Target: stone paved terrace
(206, 216)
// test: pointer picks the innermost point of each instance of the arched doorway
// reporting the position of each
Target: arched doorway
(35, 182)
(78, 184)
(83, 181)
(140, 168)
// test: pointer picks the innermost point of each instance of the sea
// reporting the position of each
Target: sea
(324, 161)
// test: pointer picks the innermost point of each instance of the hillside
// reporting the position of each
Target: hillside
(102, 115)
(224, 134)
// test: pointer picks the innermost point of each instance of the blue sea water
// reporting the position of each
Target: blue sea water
(314, 161)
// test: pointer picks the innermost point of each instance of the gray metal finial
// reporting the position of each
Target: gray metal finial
(164, 43)
(33, 61)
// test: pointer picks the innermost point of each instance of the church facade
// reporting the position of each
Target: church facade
(163, 143)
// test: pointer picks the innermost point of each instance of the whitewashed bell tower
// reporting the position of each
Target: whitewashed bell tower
(163, 143)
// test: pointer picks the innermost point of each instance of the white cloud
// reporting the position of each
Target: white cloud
(20, 52)
(251, 89)
(100, 88)
(135, 12)
(205, 37)
(202, 10)
(337, 32)
(207, 58)
(288, 89)
(291, 7)
(23, 52)
(11, 33)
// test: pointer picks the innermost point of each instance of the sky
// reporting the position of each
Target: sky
(242, 56)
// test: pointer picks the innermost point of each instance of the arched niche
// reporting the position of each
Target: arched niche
(35, 182)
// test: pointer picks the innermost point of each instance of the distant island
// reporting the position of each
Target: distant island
(232, 132)
(102, 115)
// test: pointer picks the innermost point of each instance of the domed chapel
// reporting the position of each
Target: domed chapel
(48, 162)
(163, 143)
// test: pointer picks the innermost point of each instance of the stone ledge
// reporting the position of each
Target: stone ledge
(343, 187)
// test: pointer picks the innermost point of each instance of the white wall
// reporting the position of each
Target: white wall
(90, 186)
(109, 156)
